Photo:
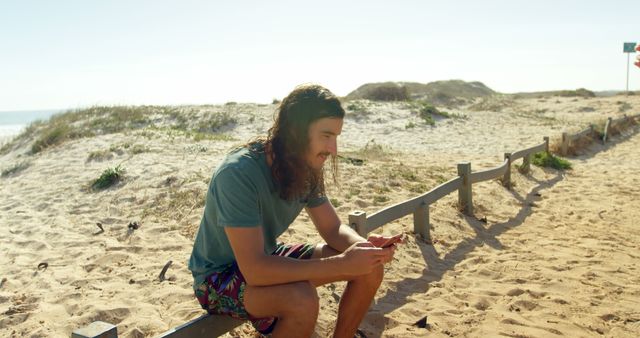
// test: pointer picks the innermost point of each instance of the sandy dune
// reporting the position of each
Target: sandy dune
(558, 255)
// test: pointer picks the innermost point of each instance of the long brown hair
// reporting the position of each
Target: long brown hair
(288, 140)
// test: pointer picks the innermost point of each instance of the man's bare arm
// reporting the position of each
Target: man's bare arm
(338, 236)
(260, 269)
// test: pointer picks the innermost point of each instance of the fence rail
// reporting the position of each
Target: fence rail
(405, 208)
(490, 174)
(523, 153)
(568, 140)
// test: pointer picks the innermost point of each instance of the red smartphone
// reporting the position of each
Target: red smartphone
(393, 240)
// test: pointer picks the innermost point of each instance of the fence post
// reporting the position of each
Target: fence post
(506, 180)
(565, 144)
(546, 144)
(358, 221)
(526, 160)
(421, 222)
(465, 200)
(606, 130)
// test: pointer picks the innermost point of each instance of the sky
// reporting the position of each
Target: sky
(71, 54)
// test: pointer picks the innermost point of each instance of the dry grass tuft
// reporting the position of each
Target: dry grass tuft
(178, 204)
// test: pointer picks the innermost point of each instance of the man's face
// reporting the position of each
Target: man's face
(323, 141)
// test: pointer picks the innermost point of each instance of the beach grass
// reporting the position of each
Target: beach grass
(199, 123)
(358, 109)
(109, 177)
(427, 111)
(99, 155)
(544, 159)
(495, 103)
(14, 169)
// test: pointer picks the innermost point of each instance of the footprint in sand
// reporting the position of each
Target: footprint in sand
(113, 316)
(536, 295)
(482, 305)
(19, 311)
(515, 292)
(511, 321)
(522, 304)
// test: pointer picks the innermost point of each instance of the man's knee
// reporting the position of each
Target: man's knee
(373, 279)
(304, 296)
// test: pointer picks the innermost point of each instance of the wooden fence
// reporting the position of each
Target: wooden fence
(213, 326)
(568, 140)
(419, 206)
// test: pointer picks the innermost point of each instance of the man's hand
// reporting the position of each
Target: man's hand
(637, 63)
(362, 257)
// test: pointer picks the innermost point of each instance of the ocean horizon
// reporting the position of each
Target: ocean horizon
(13, 123)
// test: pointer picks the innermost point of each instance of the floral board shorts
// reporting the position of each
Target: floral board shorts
(222, 293)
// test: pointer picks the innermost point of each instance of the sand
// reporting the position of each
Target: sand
(558, 255)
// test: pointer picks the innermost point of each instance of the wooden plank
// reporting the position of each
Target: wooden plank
(524, 152)
(441, 191)
(489, 174)
(582, 134)
(405, 208)
(204, 326)
(619, 120)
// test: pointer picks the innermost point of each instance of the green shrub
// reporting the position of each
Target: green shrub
(426, 110)
(335, 202)
(428, 119)
(108, 178)
(544, 159)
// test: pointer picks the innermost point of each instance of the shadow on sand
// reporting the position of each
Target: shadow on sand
(437, 267)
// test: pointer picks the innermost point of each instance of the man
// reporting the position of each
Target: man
(256, 193)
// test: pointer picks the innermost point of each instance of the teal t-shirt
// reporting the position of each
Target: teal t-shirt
(242, 193)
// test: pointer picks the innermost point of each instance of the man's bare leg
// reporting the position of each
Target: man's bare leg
(357, 296)
(295, 318)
